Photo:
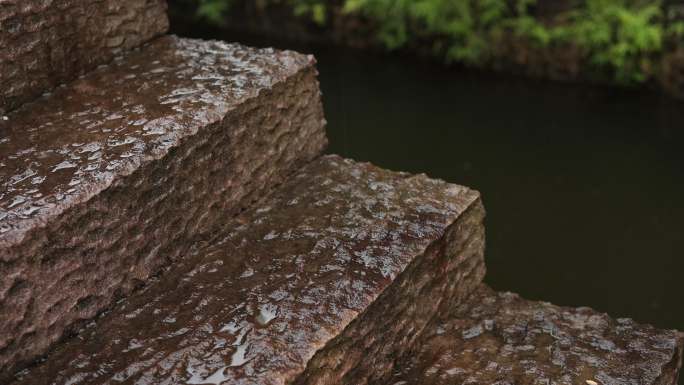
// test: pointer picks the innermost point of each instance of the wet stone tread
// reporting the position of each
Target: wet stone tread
(285, 283)
(70, 145)
(48, 42)
(500, 338)
(109, 178)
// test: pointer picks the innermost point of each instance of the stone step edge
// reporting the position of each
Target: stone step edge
(502, 338)
(213, 161)
(346, 240)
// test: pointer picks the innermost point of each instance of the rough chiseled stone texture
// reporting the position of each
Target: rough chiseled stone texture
(446, 273)
(106, 180)
(500, 338)
(255, 306)
(48, 42)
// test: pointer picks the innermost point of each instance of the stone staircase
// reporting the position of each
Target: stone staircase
(166, 217)
(500, 338)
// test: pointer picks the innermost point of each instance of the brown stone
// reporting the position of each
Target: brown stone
(344, 257)
(108, 179)
(500, 338)
(47, 42)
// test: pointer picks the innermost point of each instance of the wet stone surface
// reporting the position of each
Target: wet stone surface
(48, 42)
(500, 338)
(279, 283)
(107, 179)
(67, 147)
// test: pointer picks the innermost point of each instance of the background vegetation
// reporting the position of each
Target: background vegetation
(622, 41)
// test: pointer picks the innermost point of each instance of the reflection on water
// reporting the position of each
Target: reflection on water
(584, 186)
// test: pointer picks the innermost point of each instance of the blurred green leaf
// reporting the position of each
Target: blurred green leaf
(620, 36)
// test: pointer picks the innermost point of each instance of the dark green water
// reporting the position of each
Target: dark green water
(584, 186)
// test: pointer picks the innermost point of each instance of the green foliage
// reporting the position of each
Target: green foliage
(675, 30)
(315, 10)
(623, 37)
(460, 30)
(619, 37)
(213, 10)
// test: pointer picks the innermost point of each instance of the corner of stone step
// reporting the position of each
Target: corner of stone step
(502, 337)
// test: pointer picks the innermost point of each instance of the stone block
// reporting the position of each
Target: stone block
(111, 177)
(500, 338)
(331, 276)
(44, 43)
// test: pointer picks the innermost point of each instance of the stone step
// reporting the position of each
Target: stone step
(500, 338)
(48, 42)
(107, 179)
(330, 277)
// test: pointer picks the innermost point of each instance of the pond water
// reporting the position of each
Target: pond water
(584, 186)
